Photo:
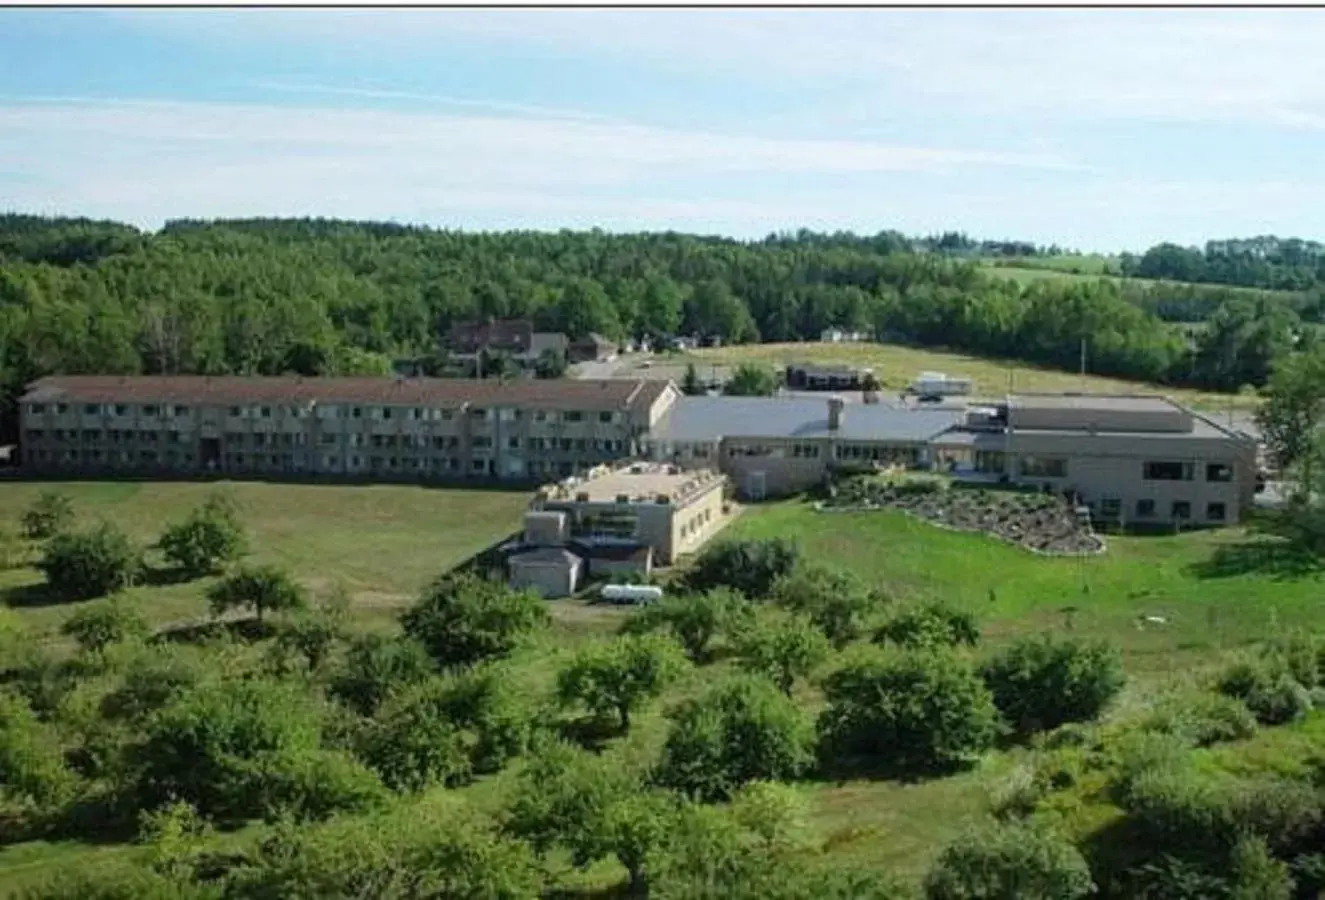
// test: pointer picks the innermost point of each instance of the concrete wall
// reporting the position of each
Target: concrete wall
(693, 524)
(548, 579)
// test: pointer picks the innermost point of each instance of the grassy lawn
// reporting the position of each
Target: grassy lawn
(896, 366)
(382, 542)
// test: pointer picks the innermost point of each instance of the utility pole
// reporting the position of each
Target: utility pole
(1083, 364)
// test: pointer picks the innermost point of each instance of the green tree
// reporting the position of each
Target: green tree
(693, 619)
(618, 676)
(1040, 683)
(750, 567)
(691, 386)
(375, 666)
(783, 650)
(82, 565)
(913, 713)
(312, 633)
(1294, 407)
(209, 538)
(932, 625)
(50, 514)
(750, 380)
(834, 600)
(464, 619)
(741, 731)
(551, 364)
(263, 588)
(98, 625)
(32, 768)
(1009, 862)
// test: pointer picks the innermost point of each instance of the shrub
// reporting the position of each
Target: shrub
(913, 713)
(150, 681)
(96, 626)
(618, 676)
(412, 745)
(1009, 862)
(464, 619)
(1268, 690)
(1041, 683)
(32, 768)
(262, 588)
(783, 650)
(312, 633)
(742, 731)
(375, 666)
(693, 619)
(115, 881)
(209, 538)
(835, 601)
(933, 625)
(1204, 720)
(50, 514)
(750, 567)
(89, 564)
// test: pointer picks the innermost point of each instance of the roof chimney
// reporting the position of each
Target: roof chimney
(836, 405)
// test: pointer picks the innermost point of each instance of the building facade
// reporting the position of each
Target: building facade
(415, 428)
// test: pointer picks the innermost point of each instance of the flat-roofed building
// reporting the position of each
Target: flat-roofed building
(1132, 459)
(403, 428)
(671, 510)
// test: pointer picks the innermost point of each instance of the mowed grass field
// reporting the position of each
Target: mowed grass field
(384, 542)
(380, 542)
(896, 366)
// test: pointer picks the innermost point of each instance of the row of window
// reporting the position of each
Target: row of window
(149, 410)
(112, 457)
(1112, 508)
(1155, 470)
(695, 523)
(328, 411)
(96, 436)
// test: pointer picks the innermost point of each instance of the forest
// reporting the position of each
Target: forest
(334, 297)
(1289, 264)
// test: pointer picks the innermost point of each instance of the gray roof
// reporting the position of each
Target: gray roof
(711, 418)
(1119, 402)
(545, 556)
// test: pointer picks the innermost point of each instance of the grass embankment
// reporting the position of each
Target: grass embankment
(896, 366)
(383, 542)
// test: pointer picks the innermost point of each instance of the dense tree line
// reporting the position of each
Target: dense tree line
(1288, 264)
(331, 297)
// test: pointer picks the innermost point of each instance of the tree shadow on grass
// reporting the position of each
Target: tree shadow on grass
(165, 576)
(248, 630)
(32, 596)
(590, 732)
(1274, 558)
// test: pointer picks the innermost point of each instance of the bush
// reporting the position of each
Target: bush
(376, 666)
(835, 601)
(783, 650)
(933, 625)
(1204, 720)
(262, 588)
(89, 564)
(1009, 862)
(1268, 689)
(463, 619)
(693, 619)
(1041, 683)
(750, 567)
(149, 682)
(618, 676)
(910, 714)
(32, 769)
(209, 538)
(50, 514)
(312, 633)
(742, 731)
(96, 626)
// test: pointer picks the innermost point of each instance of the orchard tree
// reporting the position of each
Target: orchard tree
(81, 565)
(783, 650)
(694, 619)
(50, 514)
(464, 619)
(1294, 408)
(917, 712)
(98, 625)
(1040, 683)
(750, 380)
(207, 540)
(264, 589)
(312, 633)
(930, 626)
(741, 731)
(1009, 862)
(375, 666)
(616, 677)
(834, 600)
(751, 567)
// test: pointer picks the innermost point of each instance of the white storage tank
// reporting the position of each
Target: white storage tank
(631, 593)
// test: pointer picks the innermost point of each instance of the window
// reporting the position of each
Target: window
(236, 412)
(446, 414)
(174, 437)
(1168, 471)
(1181, 509)
(1044, 466)
(356, 412)
(151, 409)
(61, 408)
(803, 451)
(478, 413)
(181, 411)
(513, 443)
(604, 417)
(1111, 507)
(1145, 509)
(327, 439)
(121, 409)
(36, 409)
(92, 409)
(574, 416)
(378, 440)
(34, 434)
(91, 436)
(581, 444)
(1218, 472)
(266, 412)
(417, 413)
(478, 465)
(1215, 512)
(482, 442)
(386, 413)
(149, 456)
(541, 415)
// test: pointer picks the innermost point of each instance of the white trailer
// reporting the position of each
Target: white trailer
(631, 593)
(937, 384)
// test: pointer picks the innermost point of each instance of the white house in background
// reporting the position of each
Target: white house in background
(839, 336)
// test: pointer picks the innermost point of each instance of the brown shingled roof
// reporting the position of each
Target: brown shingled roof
(225, 390)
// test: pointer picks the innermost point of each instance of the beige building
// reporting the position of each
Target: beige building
(385, 428)
(670, 510)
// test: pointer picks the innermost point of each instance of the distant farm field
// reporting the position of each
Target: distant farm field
(896, 366)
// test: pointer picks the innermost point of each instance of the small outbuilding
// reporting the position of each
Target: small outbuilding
(551, 571)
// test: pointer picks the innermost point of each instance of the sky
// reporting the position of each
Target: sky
(1102, 130)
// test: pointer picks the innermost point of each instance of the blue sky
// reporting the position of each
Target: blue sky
(1099, 129)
